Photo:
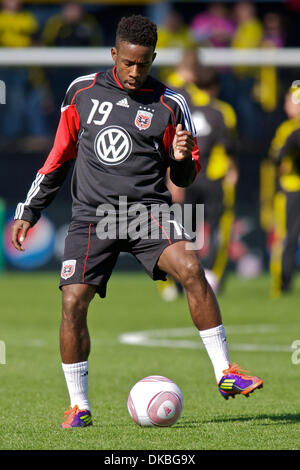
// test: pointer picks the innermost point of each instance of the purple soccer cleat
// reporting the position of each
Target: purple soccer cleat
(234, 382)
(76, 418)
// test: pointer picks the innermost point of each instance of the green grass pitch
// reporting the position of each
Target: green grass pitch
(260, 332)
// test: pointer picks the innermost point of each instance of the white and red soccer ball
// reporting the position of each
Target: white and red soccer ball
(155, 401)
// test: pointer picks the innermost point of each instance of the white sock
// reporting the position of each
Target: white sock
(76, 376)
(215, 343)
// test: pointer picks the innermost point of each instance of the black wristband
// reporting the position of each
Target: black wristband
(182, 172)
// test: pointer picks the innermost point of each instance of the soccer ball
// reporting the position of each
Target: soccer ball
(155, 401)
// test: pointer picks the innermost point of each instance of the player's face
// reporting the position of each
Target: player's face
(133, 64)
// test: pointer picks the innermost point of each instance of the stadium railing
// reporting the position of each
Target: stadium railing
(48, 56)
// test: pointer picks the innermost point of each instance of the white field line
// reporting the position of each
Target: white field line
(160, 338)
(167, 338)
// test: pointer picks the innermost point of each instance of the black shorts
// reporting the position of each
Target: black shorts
(90, 258)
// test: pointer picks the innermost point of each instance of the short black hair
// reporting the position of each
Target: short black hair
(207, 77)
(138, 30)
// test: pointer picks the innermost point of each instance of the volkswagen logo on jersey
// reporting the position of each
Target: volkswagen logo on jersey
(113, 145)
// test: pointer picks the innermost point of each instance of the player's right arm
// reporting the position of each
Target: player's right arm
(51, 176)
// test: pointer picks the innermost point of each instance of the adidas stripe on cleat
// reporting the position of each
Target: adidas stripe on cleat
(235, 382)
(76, 418)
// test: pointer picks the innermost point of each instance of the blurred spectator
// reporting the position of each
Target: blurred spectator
(23, 110)
(213, 27)
(72, 27)
(248, 34)
(273, 34)
(17, 27)
(266, 89)
(174, 32)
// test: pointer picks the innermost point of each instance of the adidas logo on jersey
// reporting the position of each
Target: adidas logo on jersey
(123, 103)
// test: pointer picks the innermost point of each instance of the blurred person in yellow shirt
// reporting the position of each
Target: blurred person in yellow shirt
(257, 88)
(72, 26)
(17, 27)
(249, 29)
(248, 34)
(173, 33)
(23, 115)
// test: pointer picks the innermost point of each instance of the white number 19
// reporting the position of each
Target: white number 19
(104, 109)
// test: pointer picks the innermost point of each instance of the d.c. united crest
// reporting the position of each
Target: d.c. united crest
(143, 119)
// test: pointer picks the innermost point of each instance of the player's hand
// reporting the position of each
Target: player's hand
(19, 233)
(183, 143)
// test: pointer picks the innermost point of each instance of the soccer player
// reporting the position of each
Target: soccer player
(123, 129)
(284, 153)
(215, 123)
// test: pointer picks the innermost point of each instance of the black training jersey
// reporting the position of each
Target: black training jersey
(120, 142)
(285, 151)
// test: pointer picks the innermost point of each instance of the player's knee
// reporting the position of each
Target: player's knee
(192, 273)
(75, 304)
